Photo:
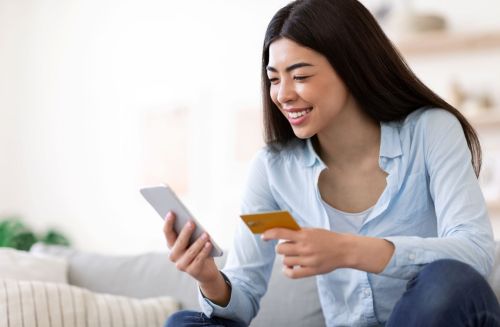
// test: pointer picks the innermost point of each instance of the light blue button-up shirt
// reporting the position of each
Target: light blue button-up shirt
(432, 208)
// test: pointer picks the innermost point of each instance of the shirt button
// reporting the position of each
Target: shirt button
(367, 292)
(411, 256)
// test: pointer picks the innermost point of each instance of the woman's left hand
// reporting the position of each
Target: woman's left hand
(309, 251)
(314, 251)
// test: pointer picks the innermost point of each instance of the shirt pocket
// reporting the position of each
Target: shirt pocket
(414, 199)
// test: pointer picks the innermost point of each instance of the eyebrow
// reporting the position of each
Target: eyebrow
(291, 67)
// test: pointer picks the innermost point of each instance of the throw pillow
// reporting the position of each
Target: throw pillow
(16, 264)
(45, 304)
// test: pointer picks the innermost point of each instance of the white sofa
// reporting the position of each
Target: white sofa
(287, 303)
(151, 275)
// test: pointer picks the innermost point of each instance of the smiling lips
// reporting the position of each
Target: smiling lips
(297, 116)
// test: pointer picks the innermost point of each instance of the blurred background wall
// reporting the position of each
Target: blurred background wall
(98, 98)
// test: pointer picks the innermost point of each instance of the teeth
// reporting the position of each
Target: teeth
(298, 114)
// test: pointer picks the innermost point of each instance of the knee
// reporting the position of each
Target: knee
(444, 283)
(448, 273)
(446, 293)
(183, 318)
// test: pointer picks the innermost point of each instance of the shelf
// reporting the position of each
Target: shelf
(446, 42)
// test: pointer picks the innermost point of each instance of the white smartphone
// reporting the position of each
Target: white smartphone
(163, 199)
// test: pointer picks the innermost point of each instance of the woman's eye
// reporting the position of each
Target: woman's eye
(300, 78)
(273, 80)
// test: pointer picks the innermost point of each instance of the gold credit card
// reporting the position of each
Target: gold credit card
(260, 222)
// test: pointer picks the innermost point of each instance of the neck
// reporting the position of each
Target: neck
(353, 139)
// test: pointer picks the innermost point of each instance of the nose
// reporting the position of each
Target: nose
(286, 92)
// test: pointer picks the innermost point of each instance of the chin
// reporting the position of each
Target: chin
(303, 135)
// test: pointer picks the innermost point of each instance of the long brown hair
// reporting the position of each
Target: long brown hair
(372, 69)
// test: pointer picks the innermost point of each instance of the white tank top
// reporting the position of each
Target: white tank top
(346, 222)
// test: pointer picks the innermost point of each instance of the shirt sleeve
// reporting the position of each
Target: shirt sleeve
(463, 227)
(250, 260)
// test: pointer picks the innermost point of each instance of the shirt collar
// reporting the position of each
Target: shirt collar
(310, 155)
(390, 141)
(390, 144)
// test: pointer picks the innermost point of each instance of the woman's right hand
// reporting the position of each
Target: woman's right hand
(196, 261)
(193, 259)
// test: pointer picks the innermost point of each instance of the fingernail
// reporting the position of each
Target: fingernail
(168, 216)
(204, 236)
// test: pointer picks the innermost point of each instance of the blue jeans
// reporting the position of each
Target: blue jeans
(197, 319)
(444, 293)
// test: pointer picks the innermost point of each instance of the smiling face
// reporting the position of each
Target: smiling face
(304, 87)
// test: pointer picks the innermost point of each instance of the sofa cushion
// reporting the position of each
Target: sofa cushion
(45, 304)
(289, 302)
(17, 264)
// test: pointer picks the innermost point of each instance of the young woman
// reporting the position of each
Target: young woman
(379, 171)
